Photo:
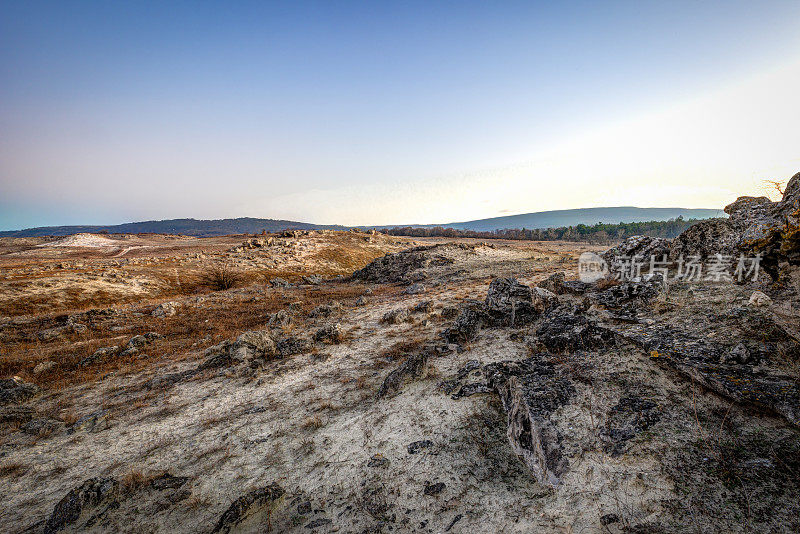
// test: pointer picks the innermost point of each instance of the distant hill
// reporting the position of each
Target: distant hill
(248, 225)
(588, 216)
(191, 227)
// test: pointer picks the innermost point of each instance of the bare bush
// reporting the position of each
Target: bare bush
(221, 277)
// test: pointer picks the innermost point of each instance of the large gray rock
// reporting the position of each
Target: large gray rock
(403, 266)
(531, 390)
(510, 303)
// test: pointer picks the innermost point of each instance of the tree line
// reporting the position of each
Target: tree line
(596, 233)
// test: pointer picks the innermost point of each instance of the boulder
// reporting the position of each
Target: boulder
(402, 266)
(395, 316)
(565, 330)
(253, 346)
(637, 292)
(471, 318)
(554, 283)
(414, 367)
(510, 303)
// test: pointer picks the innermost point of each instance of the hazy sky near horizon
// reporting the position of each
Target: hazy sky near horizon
(389, 112)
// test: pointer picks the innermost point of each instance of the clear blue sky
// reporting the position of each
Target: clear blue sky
(381, 112)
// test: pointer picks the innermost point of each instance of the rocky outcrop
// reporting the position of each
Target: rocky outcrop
(638, 293)
(510, 303)
(331, 333)
(717, 366)
(252, 348)
(402, 266)
(531, 390)
(471, 317)
(249, 509)
(640, 246)
(755, 225)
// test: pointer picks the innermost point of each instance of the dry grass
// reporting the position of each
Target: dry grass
(13, 469)
(313, 422)
(132, 481)
(605, 283)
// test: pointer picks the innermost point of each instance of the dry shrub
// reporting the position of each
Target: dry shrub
(132, 481)
(221, 278)
(313, 422)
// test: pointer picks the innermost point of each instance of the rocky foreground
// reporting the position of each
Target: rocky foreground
(448, 387)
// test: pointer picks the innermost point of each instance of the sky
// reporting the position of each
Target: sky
(374, 113)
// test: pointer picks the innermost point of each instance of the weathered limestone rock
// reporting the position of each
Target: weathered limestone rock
(567, 331)
(83, 506)
(331, 333)
(414, 367)
(510, 303)
(640, 246)
(165, 309)
(15, 391)
(249, 509)
(471, 317)
(531, 390)
(755, 226)
(402, 266)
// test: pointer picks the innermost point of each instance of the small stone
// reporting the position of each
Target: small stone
(759, 299)
(417, 446)
(43, 367)
(434, 489)
(378, 460)
(304, 508)
(609, 519)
